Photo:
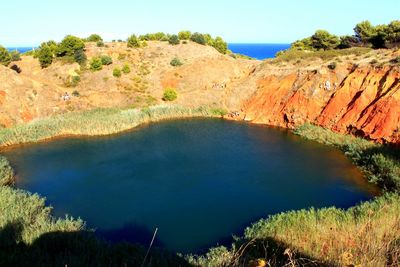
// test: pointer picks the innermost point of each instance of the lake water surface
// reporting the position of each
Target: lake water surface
(199, 181)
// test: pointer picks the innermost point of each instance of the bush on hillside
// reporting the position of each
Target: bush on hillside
(174, 40)
(106, 60)
(175, 62)
(45, 56)
(126, 69)
(80, 57)
(322, 39)
(347, 41)
(100, 44)
(6, 172)
(184, 35)
(133, 41)
(198, 38)
(209, 40)
(94, 38)
(170, 94)
(75, 80)
(52, 45)
(69, 46)
(220, 45)
(117, 72)
(364, 31)
(15, 55)
(5, 57)
(96, 64)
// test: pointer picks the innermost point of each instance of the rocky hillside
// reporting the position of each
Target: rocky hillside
(204, 78)
(363, 100)
(360, 95)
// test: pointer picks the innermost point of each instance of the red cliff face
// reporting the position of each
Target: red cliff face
(360, 100)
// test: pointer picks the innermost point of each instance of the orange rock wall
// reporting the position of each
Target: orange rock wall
(360, 100)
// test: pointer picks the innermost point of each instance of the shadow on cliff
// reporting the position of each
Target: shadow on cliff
(81, 248)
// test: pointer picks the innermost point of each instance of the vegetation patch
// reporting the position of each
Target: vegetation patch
(292, 54)
(170, 94)
(176, 62)
(96, 64)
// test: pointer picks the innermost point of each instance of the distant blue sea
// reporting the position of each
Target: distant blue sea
(20, 49)
(258, 51)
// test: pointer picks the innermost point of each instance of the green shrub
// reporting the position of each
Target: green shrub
(80, 57)
(174, 40)
(219, 111)
(170, 94)
(96, 64)
(69, 46)
(322, 39)
(45, 56)
(75, 80)
(106, 60)
(52, 45)
(126, 69)
(100, 44)
(208, 38)
(175, 62)
(15, 55)
(6, 172)
(117, 72)
(184, 35)
(75, 93)
(5, 57)
(133, 41)
(198, 38)
(94, 38)
(220, 45)
(332, 65)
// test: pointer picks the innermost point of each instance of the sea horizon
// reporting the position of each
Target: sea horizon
(258, 51)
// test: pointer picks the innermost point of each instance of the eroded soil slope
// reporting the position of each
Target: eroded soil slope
(360, 99)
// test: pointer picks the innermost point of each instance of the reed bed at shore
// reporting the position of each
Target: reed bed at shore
(98, 122)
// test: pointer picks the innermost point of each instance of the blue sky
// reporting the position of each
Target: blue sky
(27, 23)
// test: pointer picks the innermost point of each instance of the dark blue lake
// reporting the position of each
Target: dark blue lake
(258, 51)
(199, 181)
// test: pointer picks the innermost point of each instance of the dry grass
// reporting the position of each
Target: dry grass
(96, 122)
(292, 54)
(367, 234)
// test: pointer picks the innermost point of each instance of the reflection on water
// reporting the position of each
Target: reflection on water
(198, 181)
